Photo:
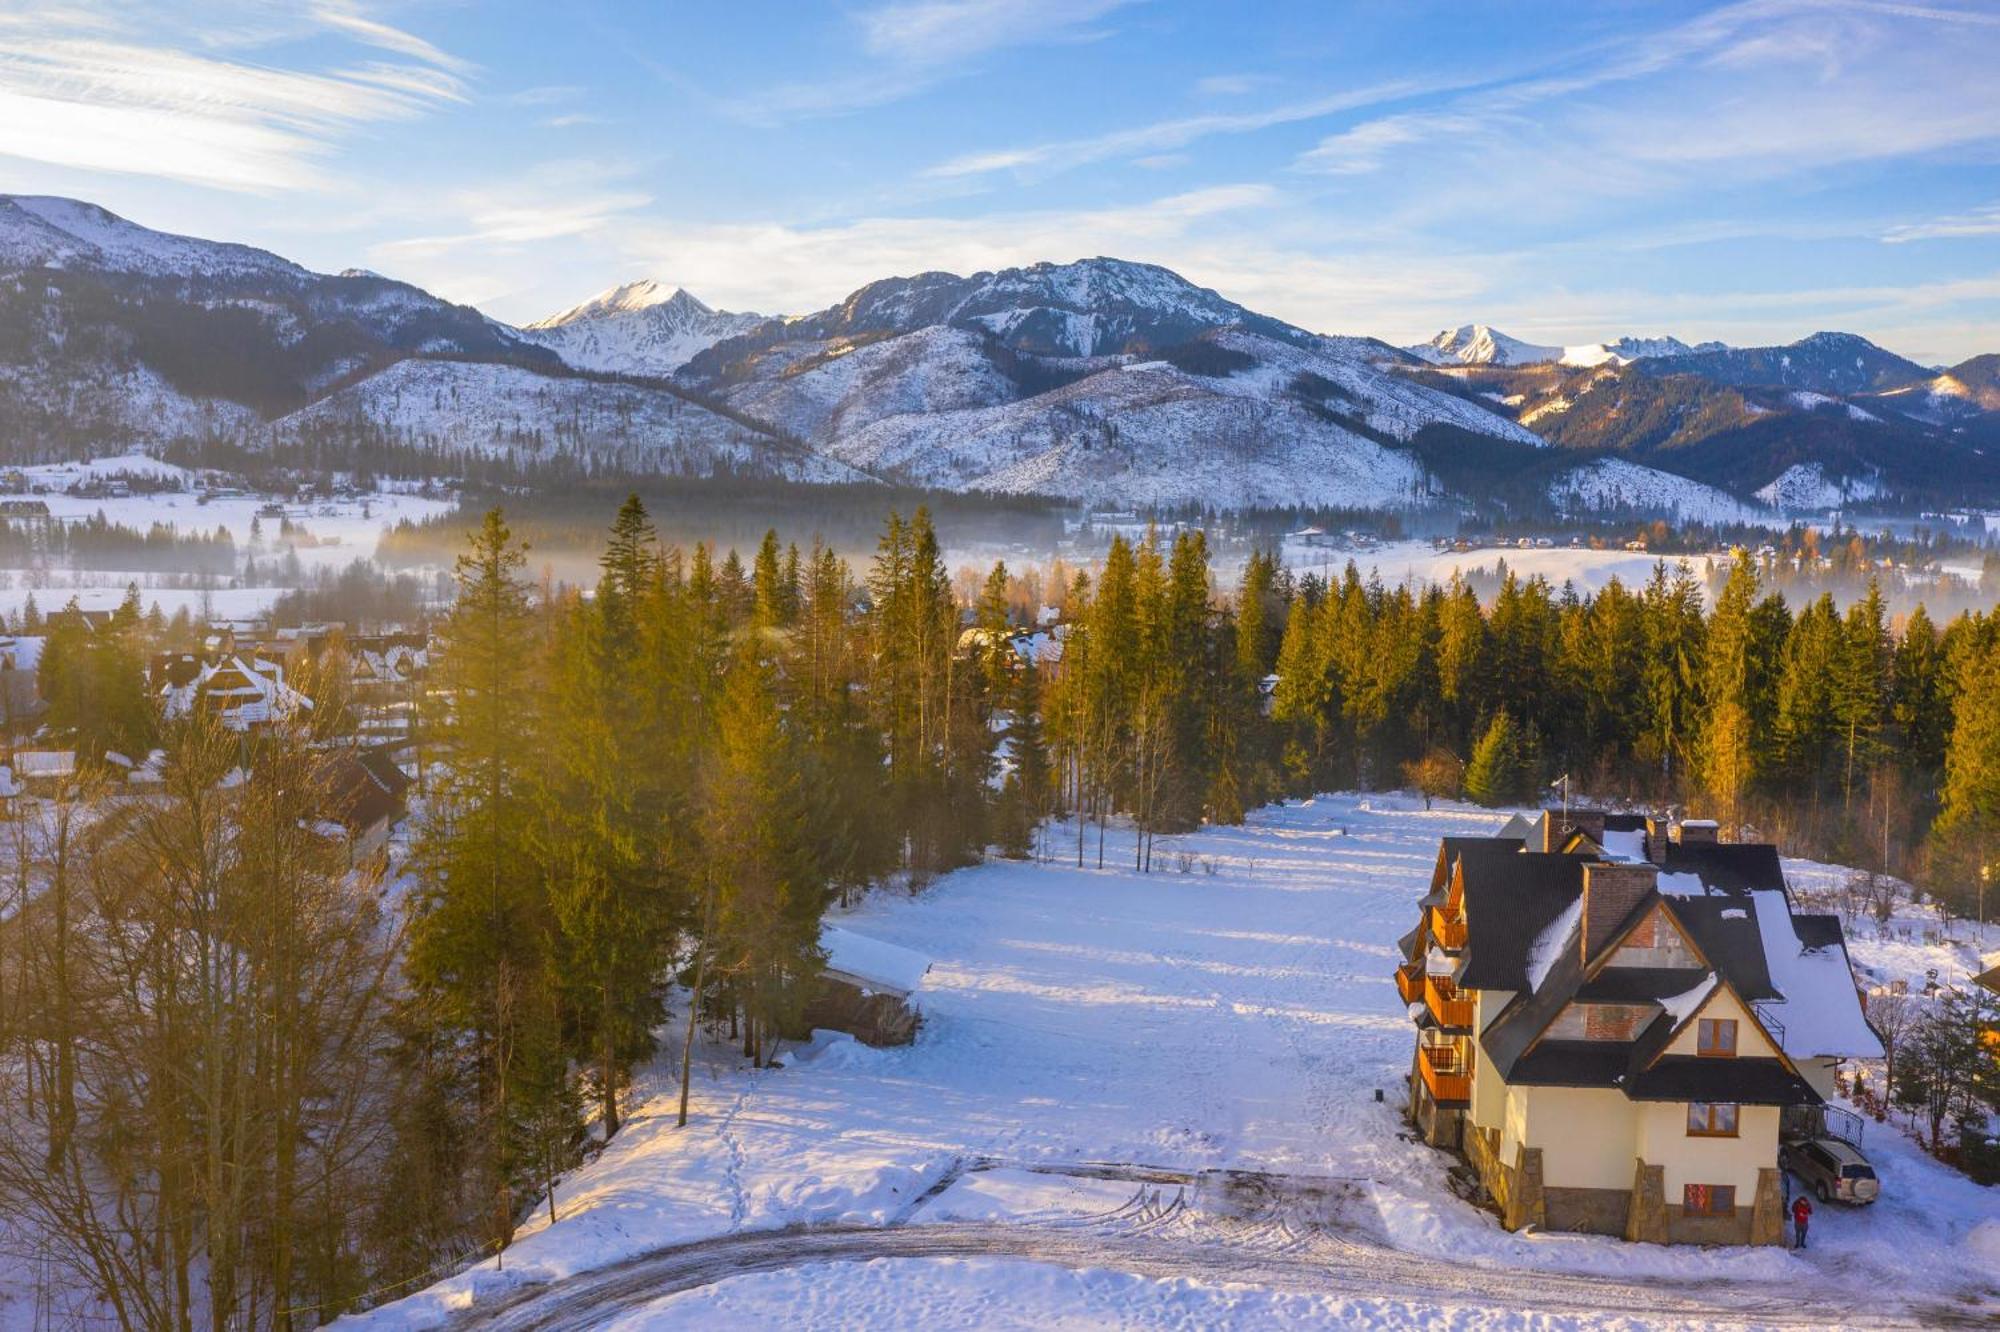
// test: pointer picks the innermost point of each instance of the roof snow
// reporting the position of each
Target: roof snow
(1680, 1007)
(871, 962)
(1626, 844)
(1821, 1011)
(1549, 943)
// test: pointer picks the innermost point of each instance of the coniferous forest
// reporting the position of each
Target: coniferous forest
(637, 802)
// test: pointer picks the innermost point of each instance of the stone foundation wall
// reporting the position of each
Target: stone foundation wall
(1591, 1211)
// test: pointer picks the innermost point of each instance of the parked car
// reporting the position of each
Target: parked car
(1834, 1170)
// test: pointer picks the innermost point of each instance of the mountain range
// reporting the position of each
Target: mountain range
(1102, 381)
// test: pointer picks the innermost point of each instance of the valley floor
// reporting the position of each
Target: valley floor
(1230, 1012)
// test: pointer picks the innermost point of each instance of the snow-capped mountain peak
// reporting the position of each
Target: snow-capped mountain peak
(1481, 344)
(637, 328)
(644, 294)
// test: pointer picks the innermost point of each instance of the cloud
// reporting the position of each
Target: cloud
(1229, 85)
(81, 88)
(1166, 135)
(912, 45)
(1979, 222)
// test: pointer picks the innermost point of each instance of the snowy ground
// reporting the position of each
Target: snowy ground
(1231, 1011)
(345, 530)
(1418, 563)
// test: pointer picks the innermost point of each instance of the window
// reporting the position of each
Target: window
(1708, 1200)
(1715, 1036)
(1711, 1119)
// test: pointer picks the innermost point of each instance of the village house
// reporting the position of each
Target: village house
(363, 799)
(43, 772)
(1613, 1018)
(242, 693)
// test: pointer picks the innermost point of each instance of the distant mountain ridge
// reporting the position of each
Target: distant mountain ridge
(1481, 344)
(1102, 381)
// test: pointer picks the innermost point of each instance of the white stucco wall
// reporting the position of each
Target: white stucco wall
(1587, 1136)
(1750, 1042)
(1663, 1140)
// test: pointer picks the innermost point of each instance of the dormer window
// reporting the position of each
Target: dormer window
(1716, 1037)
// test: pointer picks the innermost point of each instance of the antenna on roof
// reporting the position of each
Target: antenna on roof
(1563, 782)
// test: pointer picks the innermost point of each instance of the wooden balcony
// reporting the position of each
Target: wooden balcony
(1446, 1074)
(1448, 930)
(1451, 1009)
(1410, 982)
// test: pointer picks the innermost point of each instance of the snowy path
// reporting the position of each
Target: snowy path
(1230, 1011)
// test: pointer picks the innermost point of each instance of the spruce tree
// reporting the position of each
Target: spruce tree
(1495, 774)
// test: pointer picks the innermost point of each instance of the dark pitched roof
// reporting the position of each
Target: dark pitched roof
(1747, 1081)
(1510, 898)
(1725, 929)
(383, 769)
(1639, 984)
(1450, 848)
(1990, 979)
(1728, 867)
(1528, 1015)
(1573, 1064)
(355, 797)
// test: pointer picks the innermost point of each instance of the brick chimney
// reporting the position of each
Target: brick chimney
(1610, 891)
(1656, 839)
(1698, 832)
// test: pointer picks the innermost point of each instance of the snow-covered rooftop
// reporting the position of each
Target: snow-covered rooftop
(877, 964)
(1821, 1011)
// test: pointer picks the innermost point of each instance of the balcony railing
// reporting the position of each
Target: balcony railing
(1448, 930)
(1410, 982)
(1445, 1073)
(1450, 1008)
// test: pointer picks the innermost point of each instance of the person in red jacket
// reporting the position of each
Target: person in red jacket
(1801, 1215)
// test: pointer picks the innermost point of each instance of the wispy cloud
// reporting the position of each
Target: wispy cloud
(1979, 222)
(1166, 135)
(84, 87)
(912, 45)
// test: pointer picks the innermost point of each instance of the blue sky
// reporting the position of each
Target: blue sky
(1750, 171)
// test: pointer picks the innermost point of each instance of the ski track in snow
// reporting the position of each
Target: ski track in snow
(1231, 1011)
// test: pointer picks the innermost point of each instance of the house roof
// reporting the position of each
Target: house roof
(1511, 896)
(356, 798)
(1747, 1081)
(1727, 867)
(872, 962)
(1989, 978)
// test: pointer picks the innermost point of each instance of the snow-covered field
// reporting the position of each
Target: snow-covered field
(1418, 563)
(1232, 1011)
(341, 531)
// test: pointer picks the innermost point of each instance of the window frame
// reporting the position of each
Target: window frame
(1711, 1119)
(1713, 1194)
(1715, 1049)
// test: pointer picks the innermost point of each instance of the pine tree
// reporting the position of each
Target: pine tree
(1025, 796)
(1496, 775)
(479, 935)
(1966, 836)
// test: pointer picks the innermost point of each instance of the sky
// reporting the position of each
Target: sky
(1751, 171)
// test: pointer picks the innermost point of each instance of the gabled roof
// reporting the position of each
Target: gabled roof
(1725, 930)
(1511, 896)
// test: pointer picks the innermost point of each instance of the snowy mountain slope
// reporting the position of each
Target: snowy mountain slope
(1615, 484)
(826, 390)
(42, 231)
(1093, 307)
(1807, 488)
(640, 328)
(1824, 362)
(510, 411)
(1282, 425)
